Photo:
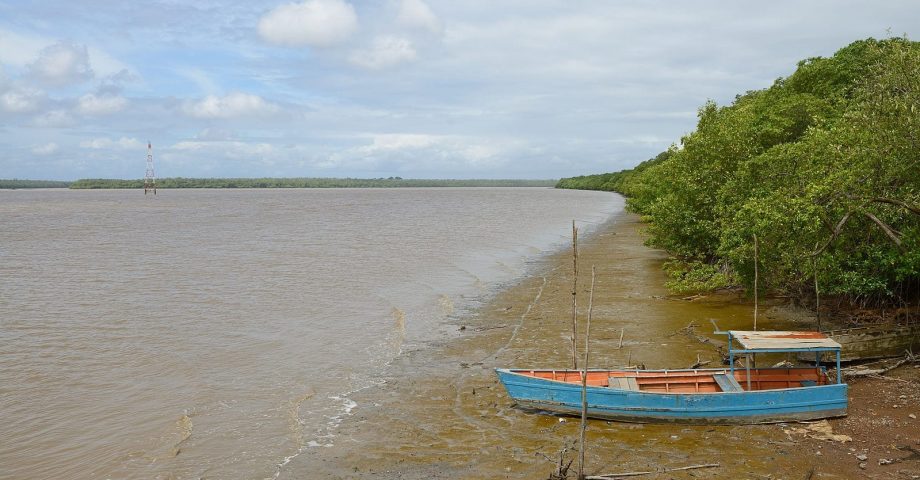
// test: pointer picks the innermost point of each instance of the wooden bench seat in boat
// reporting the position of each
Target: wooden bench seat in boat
(727, 382)
(623, 383)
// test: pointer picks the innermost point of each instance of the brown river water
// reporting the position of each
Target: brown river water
(250, 333)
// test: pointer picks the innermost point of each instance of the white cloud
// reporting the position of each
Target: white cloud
(417, 14)
(105, 143)
(233, 105)
(19, 50)
(105, 65)
(212, 134)
(317, 23)
(641, 139)
(46, 149)
(22, 50)
(21, 100)
(384, 52)
(400, 141)
(199, 77)
(240, 148)
(425, 153)
(656, 115)
(92, 104)
(243, 153)
(62, 64)
(54, 118)
(120, 78)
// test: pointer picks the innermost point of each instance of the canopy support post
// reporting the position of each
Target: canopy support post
(731, 355)
(747, 366)
(839, 373)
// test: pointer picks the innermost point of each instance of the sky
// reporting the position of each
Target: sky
(410, 88)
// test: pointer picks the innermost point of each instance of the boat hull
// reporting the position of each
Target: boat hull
(871, 342)
(719, 408)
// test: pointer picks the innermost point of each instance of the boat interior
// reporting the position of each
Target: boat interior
(691, 381)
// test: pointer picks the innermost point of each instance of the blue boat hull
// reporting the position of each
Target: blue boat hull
(744, 407)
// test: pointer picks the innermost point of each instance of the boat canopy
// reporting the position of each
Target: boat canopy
(754, 342)
(783, 341)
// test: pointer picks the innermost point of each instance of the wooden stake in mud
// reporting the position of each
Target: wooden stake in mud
(584, 384)
(756, 274)
(574, 296)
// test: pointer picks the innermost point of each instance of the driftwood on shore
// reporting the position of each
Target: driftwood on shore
(690, 332)
(914, 453)
(874, 372)
(699, 362)
(609, 476)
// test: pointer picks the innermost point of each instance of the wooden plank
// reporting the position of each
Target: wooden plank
(623, 383)
(727, 383)
(618, 383)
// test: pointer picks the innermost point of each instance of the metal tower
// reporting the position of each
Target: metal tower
(150, 181)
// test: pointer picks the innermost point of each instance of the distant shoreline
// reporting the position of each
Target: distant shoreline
(180, 182)
(11, 184)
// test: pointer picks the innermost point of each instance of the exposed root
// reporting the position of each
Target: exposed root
(561, 472)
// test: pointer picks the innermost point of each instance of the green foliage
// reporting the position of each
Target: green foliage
(391, 182)
(622, 182)
(16, 183)
(823, 167)
(97, 183)
(695, 276)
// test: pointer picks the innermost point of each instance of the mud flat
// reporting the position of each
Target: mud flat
(441, 412)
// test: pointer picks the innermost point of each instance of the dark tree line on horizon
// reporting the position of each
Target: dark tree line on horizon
(823, 167)
(17, 183)
(391, 182)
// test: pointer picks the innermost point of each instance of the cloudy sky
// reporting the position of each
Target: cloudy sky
(411, 88)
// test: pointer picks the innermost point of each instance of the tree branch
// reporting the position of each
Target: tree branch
(891, 201)
(827, 224)
(834, 233)
(892, 234)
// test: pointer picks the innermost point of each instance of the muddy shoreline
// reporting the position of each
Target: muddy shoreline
(441, 412)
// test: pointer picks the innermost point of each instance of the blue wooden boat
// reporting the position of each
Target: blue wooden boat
(698, 396)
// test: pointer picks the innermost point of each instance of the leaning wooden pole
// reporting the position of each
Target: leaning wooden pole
(574, 296)
(756, 274)
(584, 384)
